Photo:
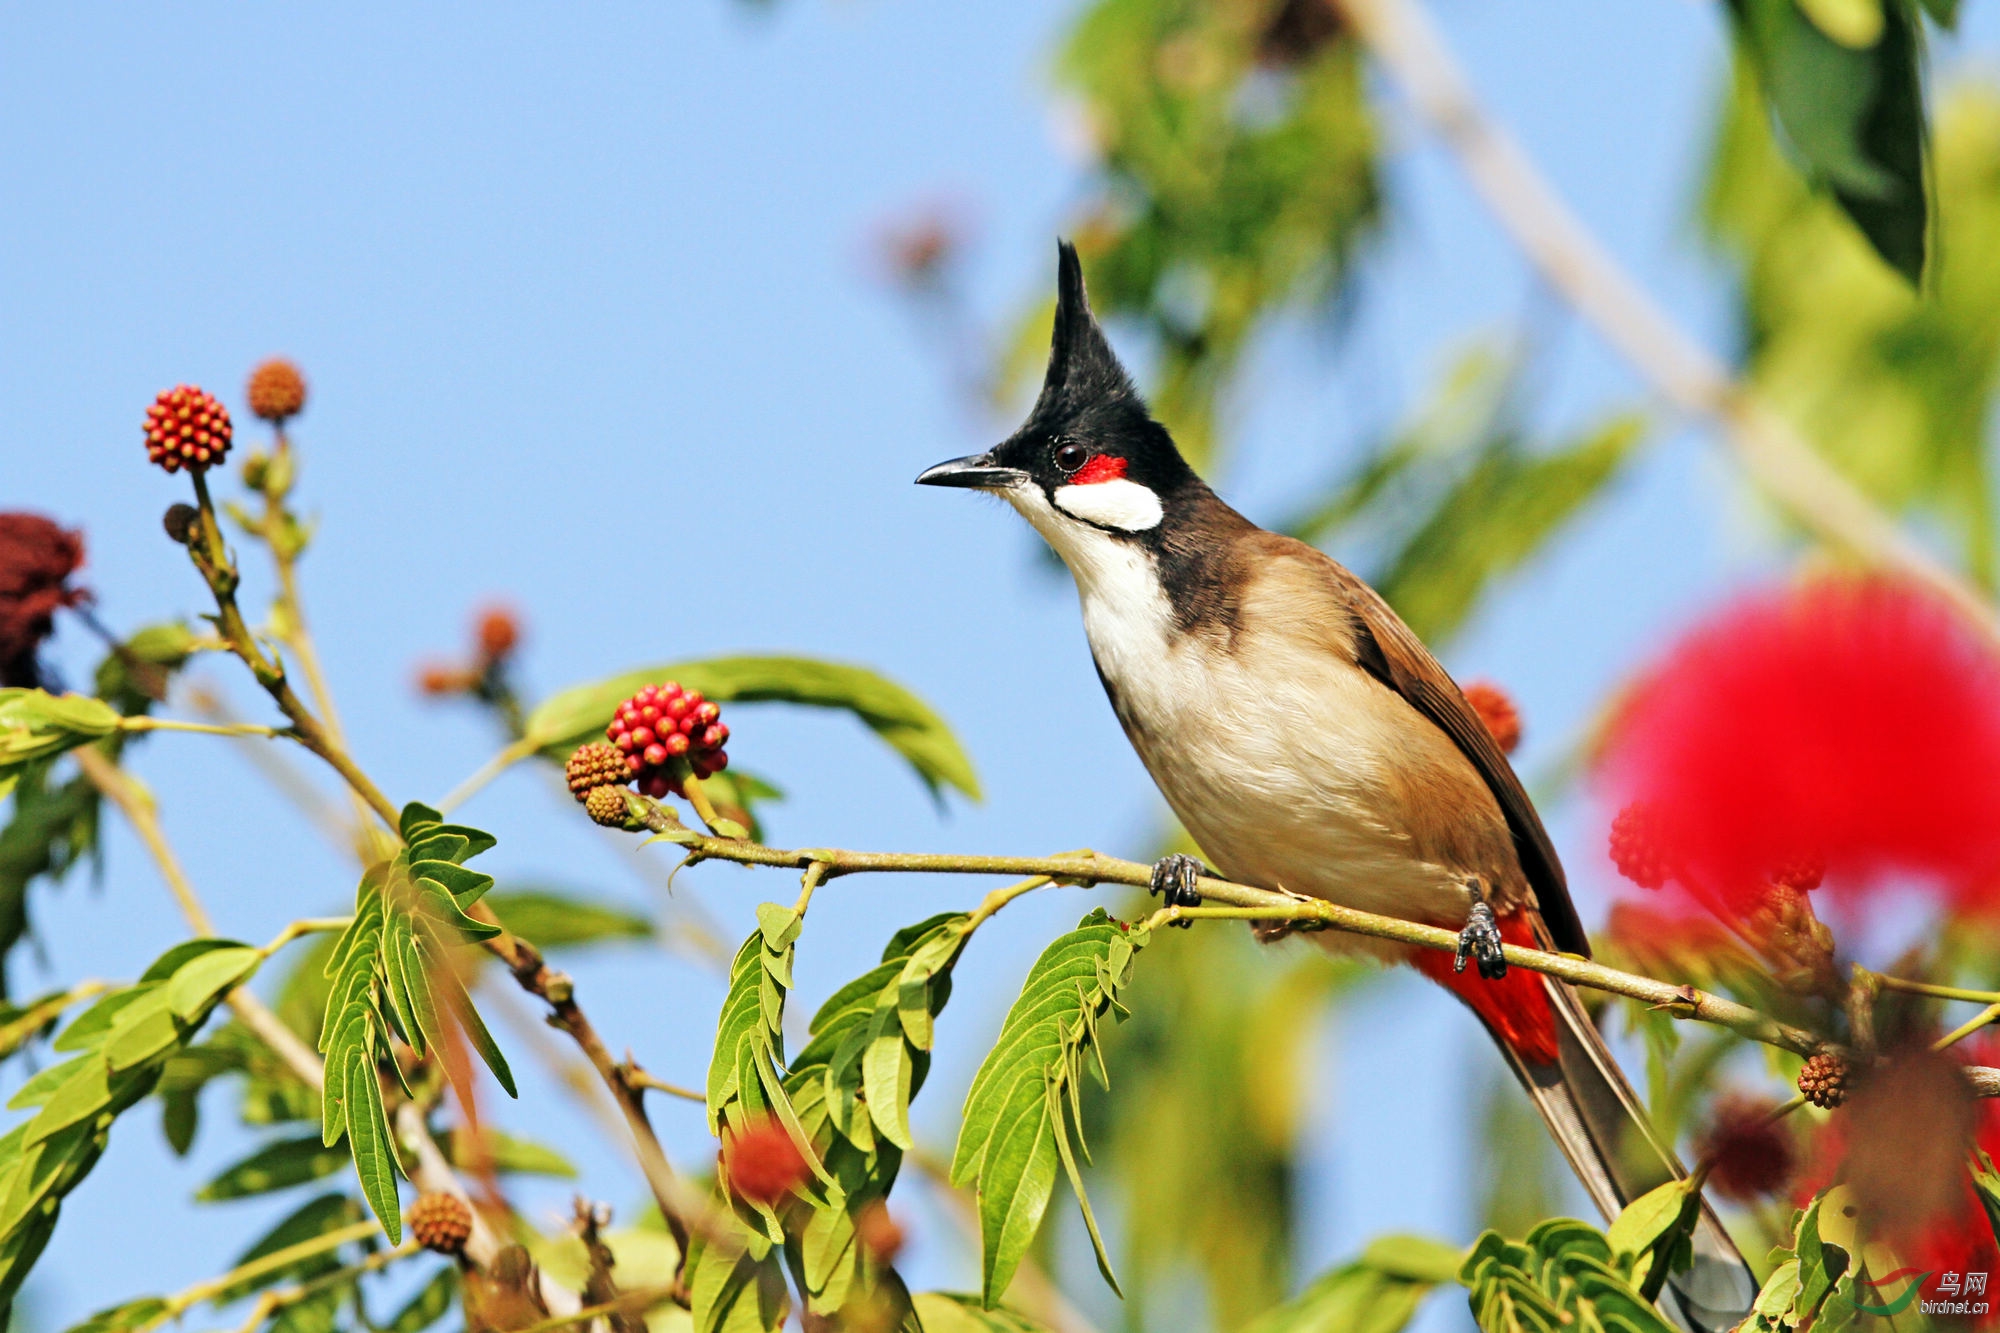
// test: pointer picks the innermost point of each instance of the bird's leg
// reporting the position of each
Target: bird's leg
(1480, 940)
(1174, 880)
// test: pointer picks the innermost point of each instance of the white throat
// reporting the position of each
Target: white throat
(1124, 505)
(1126, 614)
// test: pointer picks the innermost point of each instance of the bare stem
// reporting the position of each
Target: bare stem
(639, 1078)
(1226, 900)
(1966, 1029)
(139, 811)
(1936, 992)
(486, 772)
(212, 559)
(1778, 458)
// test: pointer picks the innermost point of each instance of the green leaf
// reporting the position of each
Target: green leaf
(312, 1219)
(1648, 1230)
(554, 919)
(1015, 1127)
(905, 722)
(736, 1289)
(275, 1166)
(1852, 114)
(139, 1314)
(511, 1156)
(368, 1139)
(198, 984)
(950, 1312)
(1377, 1293)
(36, 725)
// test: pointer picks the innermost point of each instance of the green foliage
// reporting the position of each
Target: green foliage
(1236, 176)
(1461, 497)
(1026, 1100)
(1845, 83)
(393, 973)
(551, 918)
(431, 1303)
(745, 1075)
(116, 1048)
(1378, 1293)
(866, 1058)
(950, 1312)
(1213, 1071)
(1811, 1285)
(277, 1165)
(316, 1217)
(909, 725)
(739, 1287)
(1566, 1274)
(37, 726)
(1895, 387)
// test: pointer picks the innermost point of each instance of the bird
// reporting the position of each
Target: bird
(1310, 743)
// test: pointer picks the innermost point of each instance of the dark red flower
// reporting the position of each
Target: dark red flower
(36, 560)
(1749, 1155)
(762, 1163)
(1854, 724)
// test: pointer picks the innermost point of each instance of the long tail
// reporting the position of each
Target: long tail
(1594, 1117)
(1599, 1125)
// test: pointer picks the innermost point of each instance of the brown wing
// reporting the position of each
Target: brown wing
(1390, 651)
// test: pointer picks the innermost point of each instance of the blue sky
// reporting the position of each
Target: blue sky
(585, 301)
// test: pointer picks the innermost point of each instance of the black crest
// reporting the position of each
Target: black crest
(1083, 371)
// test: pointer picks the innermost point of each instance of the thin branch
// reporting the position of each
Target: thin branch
(1226, 900)
(211, 557)
(139, 811)
(270, 1302)
(1402, 38)
(277, 1260)
(639, 1078)
(1937, 992)
(676, 1202)
(485, 773)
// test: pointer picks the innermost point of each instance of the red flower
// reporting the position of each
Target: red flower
(498, 632)
(1849, 724)
(1749, 1154)
(36, 560)
(1892, 1141)
(1497, 711)
(763, 1164)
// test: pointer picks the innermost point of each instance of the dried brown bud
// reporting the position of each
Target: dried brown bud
(440, 1222)
(499, 633)
(277, 390)
(179, 521)
(1824, 1081)
(596, 765)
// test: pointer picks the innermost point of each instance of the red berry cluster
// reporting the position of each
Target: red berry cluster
(187, 427)
(665, 732)
(1635, 847)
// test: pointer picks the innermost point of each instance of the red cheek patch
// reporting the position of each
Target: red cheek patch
(1101, 467)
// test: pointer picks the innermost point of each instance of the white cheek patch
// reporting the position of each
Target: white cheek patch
(1124, 505)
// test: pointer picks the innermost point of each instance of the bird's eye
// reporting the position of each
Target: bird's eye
(1071, 456)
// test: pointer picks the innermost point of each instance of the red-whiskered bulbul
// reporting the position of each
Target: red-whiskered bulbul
(1309, 742)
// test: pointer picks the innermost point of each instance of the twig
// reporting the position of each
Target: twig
(639, 1078)
(676, 1203)
(1966, 1029)
(138, 809)
(1692, 378)
(180, 1303)
(486, 772)
(270, 1302)
(630, 1302)
(1234, 901)
(1936, 992)
(211, 557)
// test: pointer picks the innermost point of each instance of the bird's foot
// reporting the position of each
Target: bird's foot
(1480, 940)
(1174, 879)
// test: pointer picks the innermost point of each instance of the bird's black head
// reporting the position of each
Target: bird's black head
(1089, 453)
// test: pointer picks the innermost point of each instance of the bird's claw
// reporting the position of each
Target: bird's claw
(1480, 941)
(1174, 879)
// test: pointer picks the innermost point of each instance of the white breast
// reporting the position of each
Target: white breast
(1274, 766)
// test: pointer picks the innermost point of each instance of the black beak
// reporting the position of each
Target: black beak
(975, 472)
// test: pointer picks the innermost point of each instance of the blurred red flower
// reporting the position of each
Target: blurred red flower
(762, 1163)
(1850, 724)
(37, 558)
(1949, 1231)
